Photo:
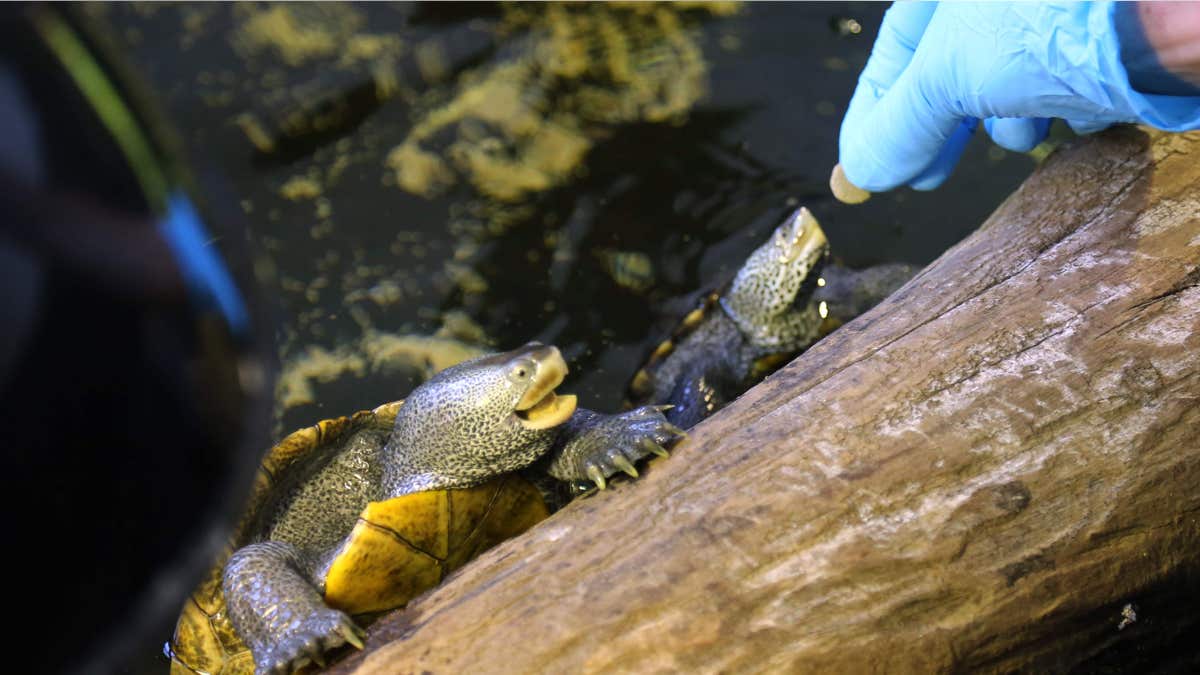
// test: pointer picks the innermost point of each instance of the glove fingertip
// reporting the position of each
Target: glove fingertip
(1088, 126)
(862, 169)
(898, 137)
(943, 165)
(933, 177)
(1017, 134)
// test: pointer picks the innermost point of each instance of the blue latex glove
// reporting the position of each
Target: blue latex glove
(937, 69)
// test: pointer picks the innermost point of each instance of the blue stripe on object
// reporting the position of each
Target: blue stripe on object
(207, 278)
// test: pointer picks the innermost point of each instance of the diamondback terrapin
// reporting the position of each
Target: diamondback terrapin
(783, 298)
(359, 514)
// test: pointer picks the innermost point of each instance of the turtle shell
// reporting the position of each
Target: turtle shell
(641, 387)
(399, 548)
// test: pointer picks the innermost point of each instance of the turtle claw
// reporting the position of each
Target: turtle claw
(664, 407)
(308, 645)
(351, 634)
(597, 476)
(605, 445)
(679, 433)
(625, 465)
(652, 447)
(310, 653)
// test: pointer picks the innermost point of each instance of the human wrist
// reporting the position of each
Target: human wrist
(1173, 29)
(1160, 46)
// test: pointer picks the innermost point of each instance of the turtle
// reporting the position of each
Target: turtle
(358, 514)
(783, 298)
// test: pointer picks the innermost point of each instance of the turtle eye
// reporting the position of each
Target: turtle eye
(522, 371)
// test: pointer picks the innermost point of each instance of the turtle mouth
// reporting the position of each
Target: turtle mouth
(800, 237)
(550, 411)
(540, 407)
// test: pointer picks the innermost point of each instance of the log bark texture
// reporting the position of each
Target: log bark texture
(996, 469)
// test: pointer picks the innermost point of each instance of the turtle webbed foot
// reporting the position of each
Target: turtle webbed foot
(307, 644)
(279, 613)
(598, 446)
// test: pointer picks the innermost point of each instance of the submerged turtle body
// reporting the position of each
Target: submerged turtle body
(359, 514)
(783, 299)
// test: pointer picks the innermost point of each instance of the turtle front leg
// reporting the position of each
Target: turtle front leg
(699, 392)
(278, 612)
(593, 446)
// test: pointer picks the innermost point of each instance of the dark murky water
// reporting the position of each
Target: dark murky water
(690, 195)
(661, 149)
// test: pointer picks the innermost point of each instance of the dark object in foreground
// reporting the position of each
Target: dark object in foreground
(134, 355)
(977, 475)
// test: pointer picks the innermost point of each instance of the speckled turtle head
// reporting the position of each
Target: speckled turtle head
(477, 420)
(768, 300)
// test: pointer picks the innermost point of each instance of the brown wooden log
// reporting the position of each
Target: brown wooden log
(982, 473)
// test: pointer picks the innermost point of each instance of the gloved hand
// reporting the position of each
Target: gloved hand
(937, 69)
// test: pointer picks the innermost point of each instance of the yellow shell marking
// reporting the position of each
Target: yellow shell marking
(662, 350)
(394, 552)
(692, 318)
(404, 546)
(640, 386)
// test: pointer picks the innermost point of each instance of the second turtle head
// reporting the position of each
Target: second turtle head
(778, 278)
